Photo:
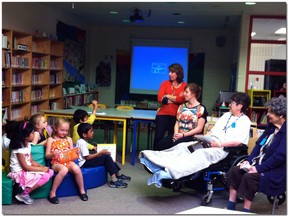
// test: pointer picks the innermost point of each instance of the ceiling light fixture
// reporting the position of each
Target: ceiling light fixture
(250, 3)
(136, 17)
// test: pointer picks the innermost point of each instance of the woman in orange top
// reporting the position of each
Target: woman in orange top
(170, 95)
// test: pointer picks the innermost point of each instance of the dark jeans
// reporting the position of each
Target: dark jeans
(246, 184)
(104, 160)
(163, 123)
(167, 142)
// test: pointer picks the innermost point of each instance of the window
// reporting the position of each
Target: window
(266, 63)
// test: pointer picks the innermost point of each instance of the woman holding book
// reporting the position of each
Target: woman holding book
(265, 168)
(231, 129)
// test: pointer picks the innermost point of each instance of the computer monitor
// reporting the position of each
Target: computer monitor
(225, 96)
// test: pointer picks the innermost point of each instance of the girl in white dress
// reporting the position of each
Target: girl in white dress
(29, 174)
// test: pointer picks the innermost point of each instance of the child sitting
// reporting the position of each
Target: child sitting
(24, 170)
(39, 123)
(81, 116)
(57, 144)
(101, 158)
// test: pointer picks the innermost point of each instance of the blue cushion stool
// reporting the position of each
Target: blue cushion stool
(69, 187)
(96, 176)
(7, 189)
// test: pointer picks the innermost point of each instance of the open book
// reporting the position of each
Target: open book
(110, 147)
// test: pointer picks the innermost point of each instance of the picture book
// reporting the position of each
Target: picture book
(110, 147)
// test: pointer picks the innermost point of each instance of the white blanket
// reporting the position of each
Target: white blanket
(180, 162)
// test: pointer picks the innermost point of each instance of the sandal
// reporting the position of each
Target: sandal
(53, 200)
(84, 197)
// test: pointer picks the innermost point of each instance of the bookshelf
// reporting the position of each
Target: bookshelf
(80, 99)
(27, 72)
(277, 93)
(257, 110)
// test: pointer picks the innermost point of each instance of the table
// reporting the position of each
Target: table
(140, 116)
(109, 114)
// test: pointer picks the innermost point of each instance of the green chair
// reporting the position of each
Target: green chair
(7, 189)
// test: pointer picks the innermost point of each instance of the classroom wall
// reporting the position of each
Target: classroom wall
(218, 60)
(105, 40)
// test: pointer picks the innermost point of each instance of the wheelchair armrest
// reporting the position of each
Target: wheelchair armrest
(242, 147)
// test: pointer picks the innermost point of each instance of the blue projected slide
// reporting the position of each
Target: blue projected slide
(150, 64)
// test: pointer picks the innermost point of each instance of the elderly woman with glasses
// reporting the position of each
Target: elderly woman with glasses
(231, 129)
(265, 168)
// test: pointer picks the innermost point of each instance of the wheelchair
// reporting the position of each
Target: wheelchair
(210, 179)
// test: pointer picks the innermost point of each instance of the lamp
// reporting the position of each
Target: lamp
(136, 17)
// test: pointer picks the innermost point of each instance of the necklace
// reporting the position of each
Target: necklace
(233, 124)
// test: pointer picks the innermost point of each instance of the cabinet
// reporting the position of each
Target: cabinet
(257, 109)
(28, 66)
(79, 99)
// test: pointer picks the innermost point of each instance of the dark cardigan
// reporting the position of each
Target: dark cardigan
(273, 167)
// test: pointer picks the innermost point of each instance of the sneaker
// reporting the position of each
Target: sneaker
(118, 184)
(124, 178)
(24, 198)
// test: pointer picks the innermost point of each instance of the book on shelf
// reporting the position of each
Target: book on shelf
(4, 41)
(4, 115)
(111, 147)
(263, 119)
(254, 116)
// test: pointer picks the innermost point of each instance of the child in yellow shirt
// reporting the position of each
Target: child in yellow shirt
(81, 116)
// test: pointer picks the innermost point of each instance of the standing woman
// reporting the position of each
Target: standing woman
(170, 95)
(191, 118)
(265, 168)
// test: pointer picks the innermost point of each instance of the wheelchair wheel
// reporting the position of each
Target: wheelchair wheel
(281, 198)
(205, 202)
(239, 159)
(176, 186)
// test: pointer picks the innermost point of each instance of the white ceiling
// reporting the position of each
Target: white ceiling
(195, 14)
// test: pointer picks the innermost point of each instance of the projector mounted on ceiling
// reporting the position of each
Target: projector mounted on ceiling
(136, 17)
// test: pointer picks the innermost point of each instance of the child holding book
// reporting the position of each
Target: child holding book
(40, 124)
(101, 158)
(58, 143)
(81, 116)
(29, 174)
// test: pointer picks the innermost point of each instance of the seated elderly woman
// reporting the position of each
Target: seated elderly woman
(231, 129)
(265, 168)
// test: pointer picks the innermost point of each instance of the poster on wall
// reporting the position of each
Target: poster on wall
(103, 74)
(74, 51)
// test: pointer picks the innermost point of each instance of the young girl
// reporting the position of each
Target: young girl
(56, 144)
(24, 170)
(101, 158)
(40, 125)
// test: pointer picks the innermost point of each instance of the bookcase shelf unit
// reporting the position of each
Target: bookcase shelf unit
(257, 110)
(277, 93)
(80, 99)
(28, 65)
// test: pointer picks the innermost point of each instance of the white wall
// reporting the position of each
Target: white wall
(104, 40)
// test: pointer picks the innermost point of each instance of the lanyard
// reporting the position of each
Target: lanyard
(233, 125)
